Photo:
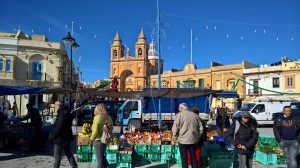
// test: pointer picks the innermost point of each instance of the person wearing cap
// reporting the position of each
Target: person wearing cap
(244, 136)
(287, 134)
(187, 129)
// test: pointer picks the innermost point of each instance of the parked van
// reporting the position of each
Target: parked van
(262, 108)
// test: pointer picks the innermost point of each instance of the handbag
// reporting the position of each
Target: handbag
(106, 137)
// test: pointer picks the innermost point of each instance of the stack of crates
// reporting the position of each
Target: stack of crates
(140, 153)
(112, 153)
(125, 158)
(84, 153)
(167, 153)
(153, 153)
(221, 159)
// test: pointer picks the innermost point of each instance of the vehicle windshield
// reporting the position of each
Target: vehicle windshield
(247, 107)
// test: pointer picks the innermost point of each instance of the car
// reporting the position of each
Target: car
(85, 113)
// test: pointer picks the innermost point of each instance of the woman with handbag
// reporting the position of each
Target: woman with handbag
(101, 134)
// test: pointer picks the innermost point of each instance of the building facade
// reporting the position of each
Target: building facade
(291, 78)
(33, 62)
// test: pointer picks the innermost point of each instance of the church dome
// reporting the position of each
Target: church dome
(152, 53)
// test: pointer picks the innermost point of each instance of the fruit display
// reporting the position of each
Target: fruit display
(86, 130)
(166, 136)
(114, 141)
(125, 149)
(279, 152)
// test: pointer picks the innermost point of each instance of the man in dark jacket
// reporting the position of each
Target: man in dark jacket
(243, 135)
(286, 131)
(62, 136)
(222, 122)
(36, 122)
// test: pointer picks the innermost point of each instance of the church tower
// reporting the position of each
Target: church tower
(141, 46)
(117, 49)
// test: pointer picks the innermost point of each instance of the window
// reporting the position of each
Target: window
(259, 108)
(1, 64)
(290, 81)
(154, 83)
(139, 70)
(8, 62)
(140, 52)
(115, 53)
(218, 84)
(275, 82)
(114, 71)
(164, 84)
(201, 83)
(37, 70)
(189, 84)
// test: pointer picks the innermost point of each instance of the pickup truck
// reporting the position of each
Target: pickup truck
(295, 106)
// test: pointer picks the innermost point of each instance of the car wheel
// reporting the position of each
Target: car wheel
(75, 122)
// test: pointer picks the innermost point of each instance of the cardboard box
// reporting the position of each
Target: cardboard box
(84, 141)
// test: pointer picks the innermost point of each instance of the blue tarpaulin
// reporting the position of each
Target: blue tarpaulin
(18, 90)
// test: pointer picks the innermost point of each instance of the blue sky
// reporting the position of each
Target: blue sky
(96, 23)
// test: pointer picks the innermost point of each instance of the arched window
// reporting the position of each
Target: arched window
(115, 53)
(8, 62)
(1, 64)
(140, 52)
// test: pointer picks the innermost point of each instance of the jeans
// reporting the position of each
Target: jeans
(290, 150)
(58, 155)
(245, 161)
(100, 151)
(183, 154)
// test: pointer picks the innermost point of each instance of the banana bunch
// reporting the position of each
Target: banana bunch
(86, 130)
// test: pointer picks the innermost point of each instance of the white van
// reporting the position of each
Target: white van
(262, 109)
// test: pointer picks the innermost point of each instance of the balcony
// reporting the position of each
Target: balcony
(39, 76)
(6, 74)
(254, 92)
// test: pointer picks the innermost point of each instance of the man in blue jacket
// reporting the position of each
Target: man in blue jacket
(286, 131)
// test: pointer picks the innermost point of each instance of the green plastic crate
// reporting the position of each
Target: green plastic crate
(209, 148)
(112, 157)
(222, 155)
(220, 163)
(94, 158)
(154, 149)
(164, 157)
(124, 157)
(140, 148)
(179, 162)
(166, 148)
(124, 165)
(83, 157)
(266, 158)
(84, 148)
(153, 157)
(203, 161)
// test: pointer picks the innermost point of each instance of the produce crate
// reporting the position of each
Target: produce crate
(112, 157)
(203, 162)
(166, 148)
(140, 148)
(269, 140)
(153, 157)
(222, 155)
(83, 157)
(84, 148)
(124, 165)
(220, 163)
(164, 157)
(84, 141)
(209, 148)
(154, 149)
(266, 158)
(125, 157)
(179, 162)
(175, 148)
(94, 158)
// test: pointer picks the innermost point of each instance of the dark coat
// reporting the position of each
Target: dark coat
(278, 124)
(220, 123)
(34, 116)
(246, 135)
(62, 132)
(203, 137)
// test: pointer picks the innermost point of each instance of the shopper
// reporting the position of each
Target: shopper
(187, 130)
(102, 122)
(243, 135)
(62, 136)
(35, 122)
(222, 122)
(203, 136)
(286, 131)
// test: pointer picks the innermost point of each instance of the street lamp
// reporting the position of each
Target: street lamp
(70, 41)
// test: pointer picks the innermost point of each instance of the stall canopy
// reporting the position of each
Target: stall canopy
(226, 94)
(56, 90)
(18, 90)
(168, 92)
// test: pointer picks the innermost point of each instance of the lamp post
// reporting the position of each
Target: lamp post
(70, 41)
